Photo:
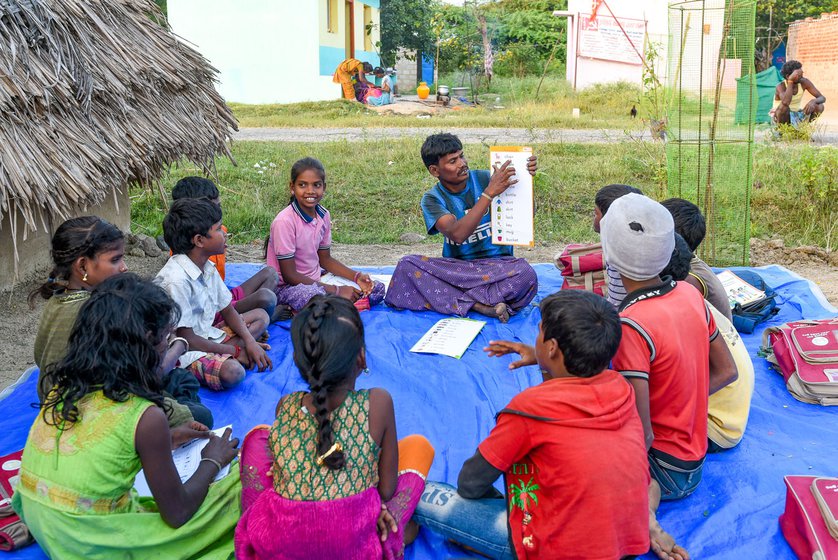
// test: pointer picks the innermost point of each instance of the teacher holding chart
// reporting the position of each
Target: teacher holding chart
(474, 273)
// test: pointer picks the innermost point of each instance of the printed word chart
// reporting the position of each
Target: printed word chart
(512, 210)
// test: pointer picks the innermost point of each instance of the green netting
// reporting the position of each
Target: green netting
(709, 150)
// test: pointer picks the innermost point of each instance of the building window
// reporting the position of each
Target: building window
(332, 16)
(367, 28)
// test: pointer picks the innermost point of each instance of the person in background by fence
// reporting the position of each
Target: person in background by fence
(789, 94)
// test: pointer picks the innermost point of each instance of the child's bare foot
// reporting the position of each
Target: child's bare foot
(499, 311)
(264, 338)
(663, 545)
(282, 312)
(411, 531)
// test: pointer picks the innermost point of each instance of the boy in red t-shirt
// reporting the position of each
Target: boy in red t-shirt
(669, 340)
(565, 497)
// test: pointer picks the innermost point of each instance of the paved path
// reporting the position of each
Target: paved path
(467, 135)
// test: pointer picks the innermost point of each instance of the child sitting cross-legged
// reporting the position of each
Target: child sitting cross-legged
(602, 201)
(104, 420)
(192, 229)
(729, 407)
(329, 479)
(570, 450)
(691, 225)
(670, 352)
(86, 251)
(258, 290)
(299, 246)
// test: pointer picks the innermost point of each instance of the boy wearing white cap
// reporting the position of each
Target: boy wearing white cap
(669, 338)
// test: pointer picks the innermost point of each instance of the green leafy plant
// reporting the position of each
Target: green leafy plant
(817, 172)
(654, 98)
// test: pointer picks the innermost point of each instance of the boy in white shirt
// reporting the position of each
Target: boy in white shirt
(192, 229)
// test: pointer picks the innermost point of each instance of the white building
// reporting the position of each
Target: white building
(598, 51)
(278, 51)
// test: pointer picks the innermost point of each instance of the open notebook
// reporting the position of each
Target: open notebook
(187, 458)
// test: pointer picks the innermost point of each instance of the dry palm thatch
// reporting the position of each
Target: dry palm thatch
(96, 95)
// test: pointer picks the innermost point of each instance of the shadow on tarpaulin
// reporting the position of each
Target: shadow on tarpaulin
(733, 513)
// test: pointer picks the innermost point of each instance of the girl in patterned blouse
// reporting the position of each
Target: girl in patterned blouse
(330, 470)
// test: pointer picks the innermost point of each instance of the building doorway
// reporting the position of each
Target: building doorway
(349, 19)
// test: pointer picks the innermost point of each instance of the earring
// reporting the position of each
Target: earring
(365, 372)
(84, 278)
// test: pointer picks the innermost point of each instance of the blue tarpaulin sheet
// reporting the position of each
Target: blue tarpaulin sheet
(733, 513)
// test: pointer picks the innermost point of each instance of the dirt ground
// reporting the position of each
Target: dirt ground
(21, 323)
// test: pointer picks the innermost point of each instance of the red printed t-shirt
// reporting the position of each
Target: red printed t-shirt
(582, 480)
(667, 331)
(296, 235)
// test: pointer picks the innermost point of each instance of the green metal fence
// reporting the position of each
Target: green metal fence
(710, 124)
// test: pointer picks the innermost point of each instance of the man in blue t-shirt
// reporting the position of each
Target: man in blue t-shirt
(473, 274)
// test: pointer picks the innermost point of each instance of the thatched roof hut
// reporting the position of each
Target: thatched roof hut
(95, 95)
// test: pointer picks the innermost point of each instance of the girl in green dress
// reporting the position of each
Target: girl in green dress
(104, 420)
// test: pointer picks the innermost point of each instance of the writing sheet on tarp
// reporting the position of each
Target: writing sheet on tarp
(512, 210)
(449, 337)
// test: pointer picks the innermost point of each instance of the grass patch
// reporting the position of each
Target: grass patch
(374, 188)
(602, 106)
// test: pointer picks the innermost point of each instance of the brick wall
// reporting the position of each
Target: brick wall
(406, 75)
(814, 42)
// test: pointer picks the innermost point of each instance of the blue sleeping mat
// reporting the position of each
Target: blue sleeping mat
(733, 514)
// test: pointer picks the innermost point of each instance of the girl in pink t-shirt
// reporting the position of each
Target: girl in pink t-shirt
(298, 247)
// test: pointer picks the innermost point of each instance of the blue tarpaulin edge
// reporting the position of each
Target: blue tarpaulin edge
(733, 513)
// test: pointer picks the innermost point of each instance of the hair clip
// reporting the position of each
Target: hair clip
(335, 448)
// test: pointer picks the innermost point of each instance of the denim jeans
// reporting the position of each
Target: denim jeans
(478, 524)
(676, 481)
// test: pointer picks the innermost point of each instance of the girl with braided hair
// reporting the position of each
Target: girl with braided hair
(102, 423)
(85, 252)
(330, 471)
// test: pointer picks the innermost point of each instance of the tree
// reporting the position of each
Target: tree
(773, 19)
(406, 24)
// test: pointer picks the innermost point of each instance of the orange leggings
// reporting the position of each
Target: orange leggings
(415, 454)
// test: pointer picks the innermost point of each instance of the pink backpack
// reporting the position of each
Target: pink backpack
(806, 354)
(809, 520)
(583, 268)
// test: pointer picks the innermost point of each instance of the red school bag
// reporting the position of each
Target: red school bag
(806, 354)
(809, 517)
(583, 268)
(13, 533)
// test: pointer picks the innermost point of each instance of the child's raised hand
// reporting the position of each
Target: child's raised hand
(386, 523)
(257, 356)
(188, 431)
(503, 347)
(221, 449)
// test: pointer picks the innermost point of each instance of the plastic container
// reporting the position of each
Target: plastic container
(423, 90)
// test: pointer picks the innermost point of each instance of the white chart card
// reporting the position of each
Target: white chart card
(449, 337)
(512, 211)
(187, 457)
